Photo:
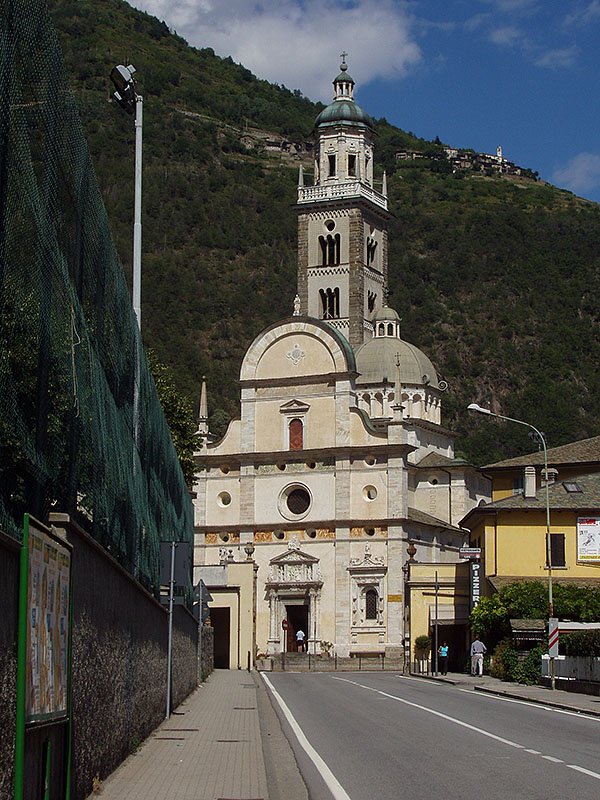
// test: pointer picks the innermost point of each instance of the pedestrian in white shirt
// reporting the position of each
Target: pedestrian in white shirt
(478, 649)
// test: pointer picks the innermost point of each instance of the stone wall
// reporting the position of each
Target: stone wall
(9, 582)
(120, 636)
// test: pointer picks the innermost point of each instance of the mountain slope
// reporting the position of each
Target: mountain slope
(495, 278)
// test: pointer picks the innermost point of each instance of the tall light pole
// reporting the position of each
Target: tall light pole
(126, 96)
(480, 410)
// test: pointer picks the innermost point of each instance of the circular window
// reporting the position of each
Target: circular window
(433, 481)
(330, 225)
(223, 499)
(224, 537)
(370, 461)
(311, 533)
(370, 531)
(311, 464)
(294, 501)
(225, 469)
(281, 466)
(369, 493)
(279, 535)
(298, 501)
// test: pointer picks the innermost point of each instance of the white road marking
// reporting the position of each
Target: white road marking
(331, 781)
(436, 714)
(532, 704)
(470, 727)
(533, 752)
(585, 771)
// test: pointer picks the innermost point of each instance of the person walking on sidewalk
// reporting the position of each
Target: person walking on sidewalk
(300, 640)
(478, 650)
(443, 658)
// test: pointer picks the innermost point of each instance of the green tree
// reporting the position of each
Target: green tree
(490, 619)
(179, 413)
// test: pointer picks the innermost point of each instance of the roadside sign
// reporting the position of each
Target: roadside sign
(469, 552)
(553, 637)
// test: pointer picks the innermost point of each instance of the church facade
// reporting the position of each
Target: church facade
(338, 471)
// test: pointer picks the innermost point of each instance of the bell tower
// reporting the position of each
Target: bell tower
(342, 221)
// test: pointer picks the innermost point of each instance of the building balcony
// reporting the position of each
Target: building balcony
(347, 190)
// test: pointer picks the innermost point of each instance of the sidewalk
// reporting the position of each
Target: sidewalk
(557, 698)
(209, 749)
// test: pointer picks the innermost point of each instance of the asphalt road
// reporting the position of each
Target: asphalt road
(373, 736)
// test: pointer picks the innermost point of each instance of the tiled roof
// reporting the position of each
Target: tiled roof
(436, 460)
(587, 498)
(584, 451)
(414, 515)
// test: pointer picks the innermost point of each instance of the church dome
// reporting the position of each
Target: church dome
(376, 361)
(385, 313)
(343, 110)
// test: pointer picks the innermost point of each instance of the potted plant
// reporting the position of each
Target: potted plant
(422, 650)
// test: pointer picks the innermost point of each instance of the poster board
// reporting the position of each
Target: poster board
(588, 540)
(48, 621)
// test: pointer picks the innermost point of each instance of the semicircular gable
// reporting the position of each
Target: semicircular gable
(295, 348)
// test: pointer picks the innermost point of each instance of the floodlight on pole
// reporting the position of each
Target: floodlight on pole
(127, 97)
(486, 412)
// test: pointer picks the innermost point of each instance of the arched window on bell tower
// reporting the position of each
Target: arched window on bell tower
(296, 431)
(330, 303)
(330, 250)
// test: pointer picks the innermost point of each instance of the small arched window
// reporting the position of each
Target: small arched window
(296, 434)
(381, 329)
(390, 328)
(371, 604)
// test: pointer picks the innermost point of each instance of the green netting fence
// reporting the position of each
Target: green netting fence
(69, 342)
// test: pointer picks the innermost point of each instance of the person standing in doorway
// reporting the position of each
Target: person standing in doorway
(478, 650)
(300, 640)
(443, 658)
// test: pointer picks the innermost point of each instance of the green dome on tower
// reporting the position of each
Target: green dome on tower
(343, 110)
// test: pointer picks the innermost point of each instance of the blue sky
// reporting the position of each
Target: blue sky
(523, 74)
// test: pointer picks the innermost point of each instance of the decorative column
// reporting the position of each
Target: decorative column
(314, 638)
(274, 643)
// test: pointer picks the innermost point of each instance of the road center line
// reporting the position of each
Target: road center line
(331, 781)
(585, 771)
(436, 714)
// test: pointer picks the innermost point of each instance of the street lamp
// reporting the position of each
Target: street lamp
(126, 96)
(480, 410)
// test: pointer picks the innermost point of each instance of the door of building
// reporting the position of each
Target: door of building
(297, 617)
(220, 621)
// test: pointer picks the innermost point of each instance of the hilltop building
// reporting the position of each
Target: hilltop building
(339, 469)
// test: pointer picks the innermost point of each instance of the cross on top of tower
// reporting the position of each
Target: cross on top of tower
(343, 65)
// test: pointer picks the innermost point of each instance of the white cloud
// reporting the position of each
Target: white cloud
(298, 42)
(507, 35)
(585, 14)
(562, 57)
(580, 174)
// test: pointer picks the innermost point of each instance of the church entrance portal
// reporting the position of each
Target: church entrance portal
(297, 617)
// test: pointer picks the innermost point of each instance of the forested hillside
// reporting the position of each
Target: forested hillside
(496, 278)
